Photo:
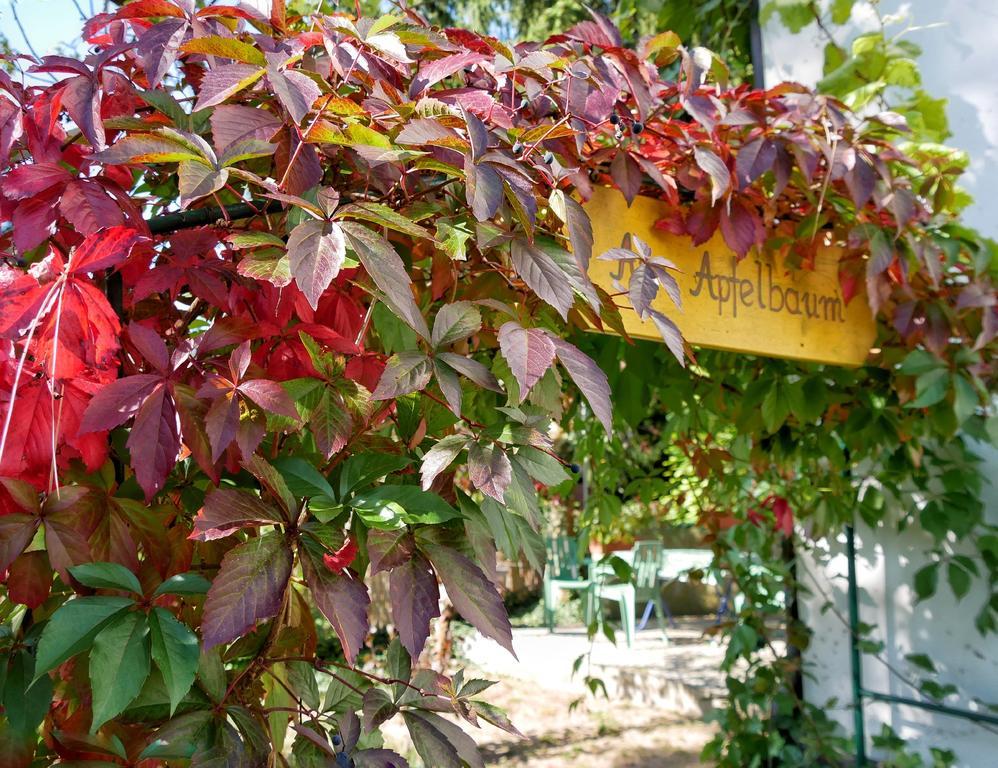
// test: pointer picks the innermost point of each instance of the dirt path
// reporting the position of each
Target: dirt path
(597, 733)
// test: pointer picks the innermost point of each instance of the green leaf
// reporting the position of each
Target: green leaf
(930, 388)
(364, 468)
(418, 506)
(119, 665)
(959, 580)
(188, 583)
(775, 408)
(926, 580)
(541, 466)
(303, 478)
(225, 47)
(921, 661)
(106, 576)
(175, 651)
(73, 627)
(918, 362)
(381, 214)
(25, 700)
(455, 322)
(965, 399)
(211, 673)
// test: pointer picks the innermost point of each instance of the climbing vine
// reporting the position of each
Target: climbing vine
(289, 301)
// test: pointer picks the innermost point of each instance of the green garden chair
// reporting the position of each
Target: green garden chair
(646, 558)
(563, 573)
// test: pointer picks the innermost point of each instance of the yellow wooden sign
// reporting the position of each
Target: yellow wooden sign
(755, 305)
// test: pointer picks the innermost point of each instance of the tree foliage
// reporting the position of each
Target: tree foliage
(287, 301)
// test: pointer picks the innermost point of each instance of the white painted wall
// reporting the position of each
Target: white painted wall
(960, 62)
(940, 627)
(959, 39)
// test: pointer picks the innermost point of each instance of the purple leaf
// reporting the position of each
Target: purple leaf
(589, 378)
(424, 130)
(473, 369)
(221, 423)
(671, 335)
(439, 457)
(490, 470)
(270, 396)
(388, 271)
(580, 227)
(861, 180)
(158, 48)
(82, 100)
(753, 160)
(88, 207)
(343, 600)
(297, 91)
(16, 532)
(626, 174)
(642, 289)
(232, 124)
(117, 402)
(227, 510)
(529, 353)
(249, 588)
(196, 179)
(439, 69)
(741, 228)
(716, 170)
(415, 599)
(222, 82)
(430, 743)
(450, 385)
(405, 372)
(472, 594)
(154, 442)
(478, 134)
(483, 188)
(389, 549)
(316, 250)
(378, 708)
(543, 275)
(378, 758)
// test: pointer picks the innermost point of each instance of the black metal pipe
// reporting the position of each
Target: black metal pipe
(199, 217)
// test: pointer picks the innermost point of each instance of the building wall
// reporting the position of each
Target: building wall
(940, 627)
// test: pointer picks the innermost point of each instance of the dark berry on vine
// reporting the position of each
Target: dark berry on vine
(337, 740)
(576, 468)
(517, 148)
(638, 126)
(548, 158)
(343, 760)
(614, 118)
(524, 103)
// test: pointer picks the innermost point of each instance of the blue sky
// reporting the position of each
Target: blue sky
(48, 23)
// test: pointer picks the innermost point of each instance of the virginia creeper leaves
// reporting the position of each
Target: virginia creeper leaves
(415, 600)
(343, 600)
(249, 588)
(529, 352)
(316, 250)
(473, 595)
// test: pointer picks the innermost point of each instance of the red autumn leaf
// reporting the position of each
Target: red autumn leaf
(30, 579)
(342, 557)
